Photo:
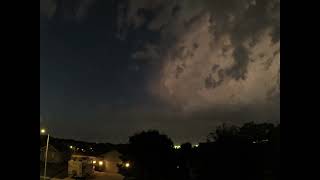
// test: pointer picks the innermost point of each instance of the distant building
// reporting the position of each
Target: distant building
(112, 159)
(54, 155)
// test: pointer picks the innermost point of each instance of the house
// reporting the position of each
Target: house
(54, 155)
(112, 159)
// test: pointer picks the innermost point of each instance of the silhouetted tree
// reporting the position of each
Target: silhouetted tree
(184, 158)
(224, 134)
(275, 151)
(152, 156)
(238, 152)
(256, 132)
(249, 152)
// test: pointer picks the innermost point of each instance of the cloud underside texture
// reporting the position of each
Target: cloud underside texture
(216, 61)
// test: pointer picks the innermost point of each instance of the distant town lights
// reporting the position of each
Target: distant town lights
(177, 146)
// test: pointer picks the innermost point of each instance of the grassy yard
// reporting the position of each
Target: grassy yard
(55, 170)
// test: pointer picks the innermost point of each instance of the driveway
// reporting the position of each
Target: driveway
(107, 176)
(103, 176)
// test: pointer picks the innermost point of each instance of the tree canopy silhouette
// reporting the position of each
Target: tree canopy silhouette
(152, 155)
(249, 152)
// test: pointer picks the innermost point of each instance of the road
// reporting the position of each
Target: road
(107, 176)
(103, 176)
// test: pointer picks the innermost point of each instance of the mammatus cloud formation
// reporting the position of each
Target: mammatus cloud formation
(213, 53)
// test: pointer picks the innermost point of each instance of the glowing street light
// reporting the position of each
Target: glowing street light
(43, 131)
(127, 165)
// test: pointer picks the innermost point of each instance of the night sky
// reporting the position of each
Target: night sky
(110, 68)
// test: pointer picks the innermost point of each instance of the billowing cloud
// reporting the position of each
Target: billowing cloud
(203, 62)
(213, 53)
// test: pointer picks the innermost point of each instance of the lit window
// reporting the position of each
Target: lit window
(127, 165)
(100, 163)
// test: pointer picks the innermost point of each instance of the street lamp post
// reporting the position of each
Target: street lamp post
(43, 131)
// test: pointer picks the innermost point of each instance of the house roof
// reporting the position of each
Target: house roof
(50, 147)
(112, 155)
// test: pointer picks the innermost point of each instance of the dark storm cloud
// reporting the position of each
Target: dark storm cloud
(149, 53)
(239, 69)
(72, 9)
(250, 19)
(182, 67)
(276, 34)
(47, 8)
(241, 19)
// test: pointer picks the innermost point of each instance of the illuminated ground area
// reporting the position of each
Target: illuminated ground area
(104, 176)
